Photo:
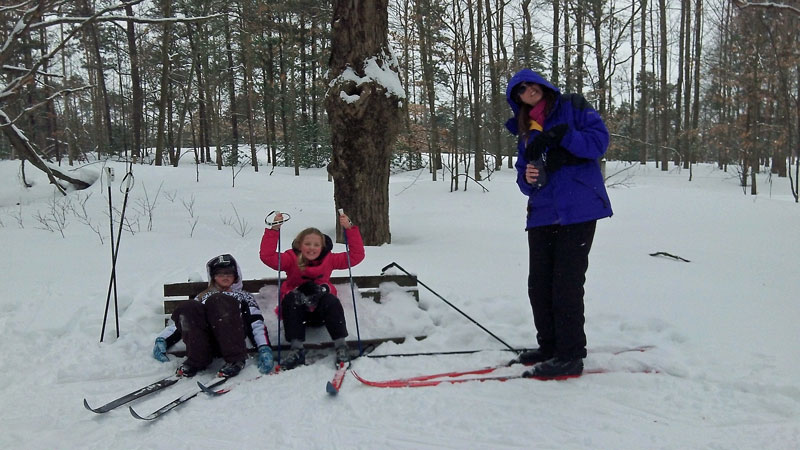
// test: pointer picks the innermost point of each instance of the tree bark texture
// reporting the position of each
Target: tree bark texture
(363, 128)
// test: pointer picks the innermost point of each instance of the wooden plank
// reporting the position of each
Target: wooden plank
(190, 289)
(323, 345)
(374, 295)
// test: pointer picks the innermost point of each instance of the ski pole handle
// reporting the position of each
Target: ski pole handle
(271, 223)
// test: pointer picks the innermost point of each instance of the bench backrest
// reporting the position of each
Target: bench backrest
(368, 286)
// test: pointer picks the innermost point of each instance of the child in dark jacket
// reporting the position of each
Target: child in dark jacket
(306, 294)
(216, 322)
(560, 141)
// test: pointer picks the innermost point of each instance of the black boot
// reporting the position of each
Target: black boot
(187, 371)
(531, 357)
(556, 368)
(230, 370)
(295, 357)
(342, 355)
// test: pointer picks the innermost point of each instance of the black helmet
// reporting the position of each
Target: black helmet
(223, 264)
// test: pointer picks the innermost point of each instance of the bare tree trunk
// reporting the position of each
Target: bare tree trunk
(232, 93)
(247, 29)
(697, 57)
(556, 31)
(363, 129)
(494, 94)
(137, 96)
(580, 22)
(476, 53)
(685, 134)
(643, 84)
(268, 81)
(287, 143)
(597, 26)
(187, 92)
(663, 103)
(683, 62)
(166, 9)
(202, 110)
(568, 50)
(94, 40)
(428, 82)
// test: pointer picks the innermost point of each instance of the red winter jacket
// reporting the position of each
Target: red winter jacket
(318, 270)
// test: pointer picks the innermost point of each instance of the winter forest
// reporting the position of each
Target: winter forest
(676, 81)
(228, 109)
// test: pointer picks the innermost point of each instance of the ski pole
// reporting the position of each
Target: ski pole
(452, 352)
(394, 264)
(109, 180)
(112, 283)
(280, 312)
(352, 286)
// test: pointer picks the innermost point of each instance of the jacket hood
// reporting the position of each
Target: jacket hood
(524, 75)
(237, 285)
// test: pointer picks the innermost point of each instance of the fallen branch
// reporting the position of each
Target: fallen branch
(668, 255)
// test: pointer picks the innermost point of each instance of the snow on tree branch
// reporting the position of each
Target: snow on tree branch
(742, 4)
(381, 70)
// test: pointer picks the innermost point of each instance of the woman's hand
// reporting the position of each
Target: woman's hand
(531, 173)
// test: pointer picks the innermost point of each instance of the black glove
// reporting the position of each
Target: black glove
(554, 135)
(558, 157)
(546, 139)
(309, 288)
(309, 293)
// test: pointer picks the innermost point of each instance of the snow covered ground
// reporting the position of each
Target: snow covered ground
(724, 326)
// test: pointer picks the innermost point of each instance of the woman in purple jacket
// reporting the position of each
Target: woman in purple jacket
(560, 141)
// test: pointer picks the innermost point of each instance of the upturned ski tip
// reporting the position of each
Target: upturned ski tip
(331, 389)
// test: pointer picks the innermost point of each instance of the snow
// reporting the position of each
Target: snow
(381, 70)
(724, 326)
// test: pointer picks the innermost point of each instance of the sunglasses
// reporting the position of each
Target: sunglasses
(524, 86)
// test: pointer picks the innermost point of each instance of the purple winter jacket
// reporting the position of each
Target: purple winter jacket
(574, 193)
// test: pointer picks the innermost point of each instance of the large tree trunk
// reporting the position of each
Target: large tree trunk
(364, 115)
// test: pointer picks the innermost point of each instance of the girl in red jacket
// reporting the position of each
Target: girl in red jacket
(307, 295)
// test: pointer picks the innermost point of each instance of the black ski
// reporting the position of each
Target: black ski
(139, 393)
(175, 403)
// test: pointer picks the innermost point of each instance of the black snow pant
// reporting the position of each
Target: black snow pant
(559, 257)
(210, 329)
(297, 314)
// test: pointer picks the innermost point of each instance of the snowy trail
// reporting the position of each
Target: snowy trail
(724, 327)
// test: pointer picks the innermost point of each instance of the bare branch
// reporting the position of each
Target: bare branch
(63, 20)
(46, 101)
(742, 4)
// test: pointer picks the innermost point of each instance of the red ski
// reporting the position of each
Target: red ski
(490, 369)
(338, 378)
(399, 383)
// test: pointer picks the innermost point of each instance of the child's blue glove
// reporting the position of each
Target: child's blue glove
(265, 361)
(160, 350)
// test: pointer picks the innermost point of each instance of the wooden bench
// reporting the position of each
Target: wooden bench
(367, 286)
